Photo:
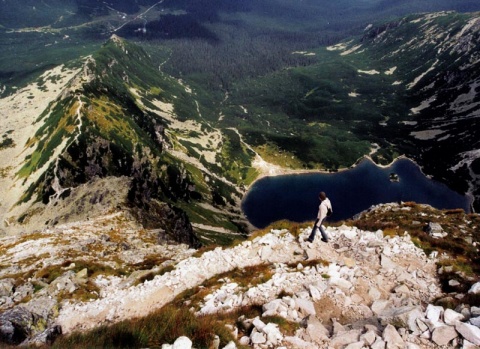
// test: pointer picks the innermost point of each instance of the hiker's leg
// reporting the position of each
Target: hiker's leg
(322, 231)
(314, 229)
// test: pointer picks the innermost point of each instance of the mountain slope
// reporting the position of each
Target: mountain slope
(439, 67)
(408, 86)
(119, 116)
(403, 87)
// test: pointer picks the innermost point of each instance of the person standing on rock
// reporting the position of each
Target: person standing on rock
(324, 211)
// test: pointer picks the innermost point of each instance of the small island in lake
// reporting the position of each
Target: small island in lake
(394, 177)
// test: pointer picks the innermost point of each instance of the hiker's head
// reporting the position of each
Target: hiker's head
(322, 196)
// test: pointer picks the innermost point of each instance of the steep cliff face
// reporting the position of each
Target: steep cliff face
(111, 121)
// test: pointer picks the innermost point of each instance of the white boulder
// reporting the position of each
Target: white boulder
(469, 332)
(182, 343)
(475, 289)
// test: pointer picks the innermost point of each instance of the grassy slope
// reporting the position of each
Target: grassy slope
(311, 112)
(327, 114)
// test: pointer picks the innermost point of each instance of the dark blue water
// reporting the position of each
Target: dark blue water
(295, 197)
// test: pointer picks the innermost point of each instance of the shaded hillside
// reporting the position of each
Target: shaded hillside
(439, 68)
(408, 86)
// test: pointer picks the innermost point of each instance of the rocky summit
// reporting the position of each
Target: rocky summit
(362, 289)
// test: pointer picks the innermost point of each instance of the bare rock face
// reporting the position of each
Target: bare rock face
(443, 335)
(469, 332)
(79, 203)
(46, 337)
(18, 324)
(112, 193)
(6, 287)
(435, 230)
(174, 221)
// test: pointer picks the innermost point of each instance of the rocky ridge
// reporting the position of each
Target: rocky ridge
(362, 290)
(115, 122)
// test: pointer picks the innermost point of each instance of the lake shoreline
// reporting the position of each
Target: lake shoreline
(292, 194)
(275, 170)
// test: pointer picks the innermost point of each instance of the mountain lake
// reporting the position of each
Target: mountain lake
(295, 197)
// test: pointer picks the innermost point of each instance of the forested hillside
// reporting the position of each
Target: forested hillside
(211, 42)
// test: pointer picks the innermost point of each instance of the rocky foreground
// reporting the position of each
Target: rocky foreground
(361, 290)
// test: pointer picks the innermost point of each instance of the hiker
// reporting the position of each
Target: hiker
(324, 210)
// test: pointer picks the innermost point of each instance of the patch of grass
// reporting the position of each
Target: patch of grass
(246, 278)
(198, 178)
(51, 272)
(208, 237)
(37, 287)
(251, 175)
(293, 227)
(4, 171)
(271, 153)
(425, 246)
(235, 157)
(309, 263)
(150, 262)
(204, 215)
(155, 91)
(84, 293)
(287, 327)
(252, 276)
(198, 253)
(151, 276)
(390, 231)
(20, 277)
(160, 327)
(59, 125)
(284, 293)
(33, 236)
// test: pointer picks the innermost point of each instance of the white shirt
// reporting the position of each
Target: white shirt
(322, 210)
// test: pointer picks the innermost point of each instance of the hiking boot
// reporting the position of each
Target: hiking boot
(308, 240)
(324, 240)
